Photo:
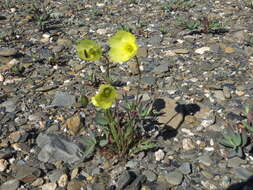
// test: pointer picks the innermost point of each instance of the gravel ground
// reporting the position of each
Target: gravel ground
(196, 55)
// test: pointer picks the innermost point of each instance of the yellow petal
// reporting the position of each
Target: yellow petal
(105, 97)
(123, 46)
(88, 50)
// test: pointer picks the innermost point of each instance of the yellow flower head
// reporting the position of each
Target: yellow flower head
(105, 97)
(88, 50)
(123, 46)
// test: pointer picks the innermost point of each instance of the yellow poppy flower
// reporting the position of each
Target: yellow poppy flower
(105, 97)
(88, 50)
(123, 46)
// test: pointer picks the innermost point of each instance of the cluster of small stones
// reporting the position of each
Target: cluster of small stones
(203, 79)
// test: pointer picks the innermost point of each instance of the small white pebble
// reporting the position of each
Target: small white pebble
(12, 160)
(3, 165)
(1, 78)
(187, 144)
(202, 50)
(159, 155)
(187, 131)
(209, 149)
(102, 68)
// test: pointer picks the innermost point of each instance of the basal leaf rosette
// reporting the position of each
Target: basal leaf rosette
(105, 97)
(88, 50)
(123, 46)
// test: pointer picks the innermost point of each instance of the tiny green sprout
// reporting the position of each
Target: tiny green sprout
(250, 40)
(17, 69)
(84, 101)
(188, 24)
(235, 140)
(248, 122)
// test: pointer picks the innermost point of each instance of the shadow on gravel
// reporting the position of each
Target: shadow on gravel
(248, 185)
(184, 109)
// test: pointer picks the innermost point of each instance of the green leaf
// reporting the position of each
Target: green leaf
(89, 144)
(100, 119)
(103, 142)
(244, 140)
(236, 139)
(226, 143)
(142, 145)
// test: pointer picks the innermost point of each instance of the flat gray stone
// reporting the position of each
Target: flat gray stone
(174, 178)
(63, 99)
(56, 148)
(151, 176)
(10, 105)
(243, 173)
(206, 160)
(163, 68)
(8, 51)
(10, 185)
(236, 162)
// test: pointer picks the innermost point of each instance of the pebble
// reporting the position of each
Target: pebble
(186, 168)
(209, 185)
(226, 181)
(49, 186)
(74, 173)
(159, 155)
(45, 38)
(174, 178)
(1, 78)
(75, 185)
(10, 185)
(125, 179)
(63, 180)
(181, 51)
(226, 92)
(240, 93)
(132, 164)
(55, 147)
(229, 50)
(187, 144)
(8, 52)
(202, 50)
(145, 187)
(3, 165)
(63, 99)
(235, 162)
(74, 124)
(243, 173)
(38, 182)
(219, 95)
(206, 160)
(151, 176)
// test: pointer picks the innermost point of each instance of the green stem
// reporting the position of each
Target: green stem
(113, 129)
(107, 69)
(139, 79)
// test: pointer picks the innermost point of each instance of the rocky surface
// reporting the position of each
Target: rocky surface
(196, 59)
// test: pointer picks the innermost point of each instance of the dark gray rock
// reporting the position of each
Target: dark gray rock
(186, 168)
(125, 179)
